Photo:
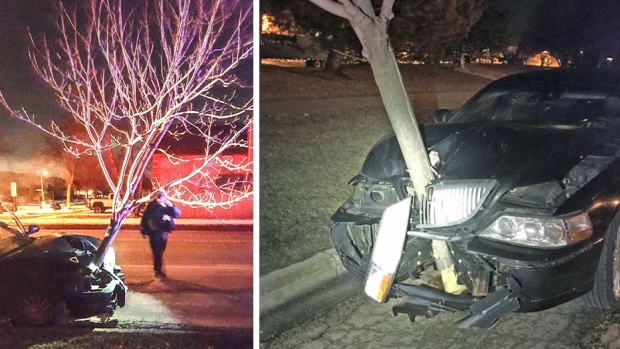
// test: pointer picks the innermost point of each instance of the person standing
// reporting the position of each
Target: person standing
(157, 222)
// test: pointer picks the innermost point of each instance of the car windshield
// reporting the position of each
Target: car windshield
(544, 104)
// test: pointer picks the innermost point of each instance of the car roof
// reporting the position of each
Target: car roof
(566, 76)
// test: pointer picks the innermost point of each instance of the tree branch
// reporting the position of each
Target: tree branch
(332, 7)
(131, 74)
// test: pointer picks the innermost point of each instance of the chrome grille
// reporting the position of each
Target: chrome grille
(453, 201)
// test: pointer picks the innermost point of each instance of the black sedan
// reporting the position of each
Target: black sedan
(43, 279)
(526, 197)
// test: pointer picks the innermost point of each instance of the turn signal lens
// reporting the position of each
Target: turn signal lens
(378, 283)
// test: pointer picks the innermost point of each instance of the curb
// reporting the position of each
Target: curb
(281, 286)
(205, 227)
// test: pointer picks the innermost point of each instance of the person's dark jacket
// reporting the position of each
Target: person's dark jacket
(158, 218)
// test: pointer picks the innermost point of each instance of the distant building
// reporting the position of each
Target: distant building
(163, 171)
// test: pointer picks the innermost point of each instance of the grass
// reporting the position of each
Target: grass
(278, 83)
(306, 160)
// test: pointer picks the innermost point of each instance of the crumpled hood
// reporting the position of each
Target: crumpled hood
(514, 154)
(60, 247)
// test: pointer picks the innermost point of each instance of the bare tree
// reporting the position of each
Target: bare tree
(371, 29)
(133, 74)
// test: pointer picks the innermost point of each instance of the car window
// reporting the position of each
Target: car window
(543, 105)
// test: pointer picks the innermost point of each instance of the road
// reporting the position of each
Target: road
(209, 282)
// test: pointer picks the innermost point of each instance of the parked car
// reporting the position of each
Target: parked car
(43, 277)
(526, 195)
(51, 204)
(100, 204)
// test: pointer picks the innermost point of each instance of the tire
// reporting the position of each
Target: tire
(33, 309)
(98, 209)
(605, 293)
(317, 64)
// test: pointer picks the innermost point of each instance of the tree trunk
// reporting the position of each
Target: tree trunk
(399, 110)
(69, 194)
(108, 238)
(372, 32)
(333, 61)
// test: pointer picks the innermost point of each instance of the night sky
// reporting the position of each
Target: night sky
(21, 86)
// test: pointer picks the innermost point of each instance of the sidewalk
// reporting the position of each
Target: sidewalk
(85, 219)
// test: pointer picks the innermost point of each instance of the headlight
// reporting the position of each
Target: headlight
(109, 261)
(541, 232)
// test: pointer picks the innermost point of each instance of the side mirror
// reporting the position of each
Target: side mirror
(33, 229)
(442, 115)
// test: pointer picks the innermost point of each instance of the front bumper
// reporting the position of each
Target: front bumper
(518, 279)
(521, 286)
(99, 299)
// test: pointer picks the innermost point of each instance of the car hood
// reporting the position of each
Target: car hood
(513, 154)
(63, 248)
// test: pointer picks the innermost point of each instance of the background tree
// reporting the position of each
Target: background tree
(133, 73)
(333, 33)
(576, 32)
(489, 33)
(420, 29)
(425, 28)
(603, 37)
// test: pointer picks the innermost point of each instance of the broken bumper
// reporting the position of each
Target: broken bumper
(523, 285)
(99, 299)
(521, 279)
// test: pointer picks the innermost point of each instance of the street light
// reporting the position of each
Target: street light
(43, 173)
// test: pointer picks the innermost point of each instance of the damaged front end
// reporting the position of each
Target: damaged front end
(519, 240)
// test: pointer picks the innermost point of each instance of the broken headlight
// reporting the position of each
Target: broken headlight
(541, 232)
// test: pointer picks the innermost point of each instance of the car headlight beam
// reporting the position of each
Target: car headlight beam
(109, 260)
(541, 232)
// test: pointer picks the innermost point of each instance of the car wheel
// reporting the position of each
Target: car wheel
(32, 310)
(97, 209)
(594, 123)
(605, 293)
